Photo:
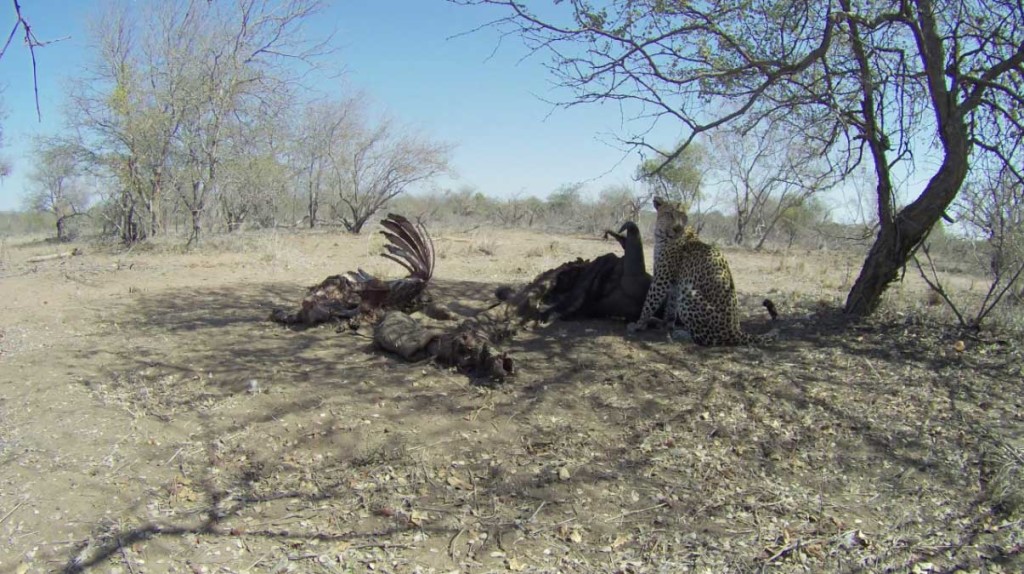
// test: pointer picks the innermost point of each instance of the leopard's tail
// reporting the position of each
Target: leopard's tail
(759, 339)
(763, 338)
(740, 337)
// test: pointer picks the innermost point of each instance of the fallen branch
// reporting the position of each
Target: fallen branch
(73, 253)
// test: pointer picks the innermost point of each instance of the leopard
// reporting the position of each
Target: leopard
(693, 280)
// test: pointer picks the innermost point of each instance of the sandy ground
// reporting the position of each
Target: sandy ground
(152, 420)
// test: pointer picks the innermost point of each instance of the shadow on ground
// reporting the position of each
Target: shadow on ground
(842, 447)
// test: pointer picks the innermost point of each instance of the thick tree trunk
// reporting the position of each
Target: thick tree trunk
(879, 270)
(897, 240)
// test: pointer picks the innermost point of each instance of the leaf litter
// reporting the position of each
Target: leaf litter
(887, 445)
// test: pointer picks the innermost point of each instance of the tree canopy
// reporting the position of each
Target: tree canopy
(913, 86)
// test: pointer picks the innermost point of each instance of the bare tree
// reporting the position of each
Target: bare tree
(320, 133)
(56, 185)
(254, 177)
(880, 80)
(763, 173)
(125, 112)
(518, 211)
(378, 163)
(801, 217)
(565, 203)
(232, 67)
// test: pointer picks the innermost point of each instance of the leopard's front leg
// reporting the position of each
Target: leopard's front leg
(656, 294)
(678, 308)
(672, 302)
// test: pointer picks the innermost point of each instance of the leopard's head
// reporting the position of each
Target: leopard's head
(671, 220)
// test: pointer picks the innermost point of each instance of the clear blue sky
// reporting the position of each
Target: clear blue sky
(403, 55)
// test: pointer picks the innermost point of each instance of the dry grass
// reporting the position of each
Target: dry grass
(889, 445)
(1006, 487)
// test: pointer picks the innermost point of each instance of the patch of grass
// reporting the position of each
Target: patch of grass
(143, 393)
(1005, 489)
(382, 453)
(791, 264)
(488, 247)
(550, 249)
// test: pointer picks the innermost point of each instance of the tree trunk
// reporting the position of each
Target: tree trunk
(234, 222)
(314, 201)
(357, 225)
(897, 240)
(768, 231)
(62, 233)
(197, 227)
(741, 224)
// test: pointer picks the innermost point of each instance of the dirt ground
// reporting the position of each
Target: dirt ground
(152, 420)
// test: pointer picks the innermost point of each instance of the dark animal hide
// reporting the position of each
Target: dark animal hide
(606, 287)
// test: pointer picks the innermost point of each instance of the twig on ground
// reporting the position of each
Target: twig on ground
(384, 545)
(638, 511)
(12, 511)
(873, 370)
(451, 543)
(790, 548)
(174, 456)
(550, 526)
(41, 258)
(534, 515)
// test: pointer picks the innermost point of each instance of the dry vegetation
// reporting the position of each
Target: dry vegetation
(151, 420)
